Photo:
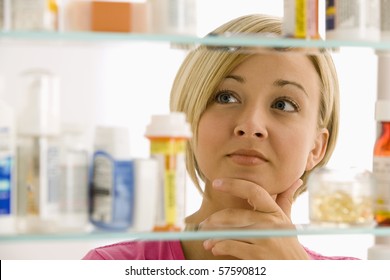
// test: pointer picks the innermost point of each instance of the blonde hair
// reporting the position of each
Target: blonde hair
(205, 67)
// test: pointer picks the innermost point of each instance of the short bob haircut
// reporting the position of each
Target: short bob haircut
(205, 67)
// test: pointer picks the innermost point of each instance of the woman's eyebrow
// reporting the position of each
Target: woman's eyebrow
(282, 83)
(236, 77)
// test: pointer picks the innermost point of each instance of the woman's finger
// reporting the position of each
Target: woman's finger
(256, 196)
(241, 219)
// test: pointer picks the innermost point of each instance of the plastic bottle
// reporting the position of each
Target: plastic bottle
(168, 135)
(5, 15)
(381, 165)
(34, 15)
(352, 19)
(74, 176)
(379, 252)
(38, 149)
(381, 160)
(385, 20)
(7, 169)
(301, 19)
(341, 197)
(112, 180)
(173, 16)
(145, 189)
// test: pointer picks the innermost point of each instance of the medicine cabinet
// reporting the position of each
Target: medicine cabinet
(176, 46)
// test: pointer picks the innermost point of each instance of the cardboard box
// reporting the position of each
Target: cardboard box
(111, 16)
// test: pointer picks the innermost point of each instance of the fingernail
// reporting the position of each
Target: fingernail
(251, 204)
(206, 244)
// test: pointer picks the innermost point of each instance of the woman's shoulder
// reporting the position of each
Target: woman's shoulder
(316, 256)
(162, 250)
(138, 250)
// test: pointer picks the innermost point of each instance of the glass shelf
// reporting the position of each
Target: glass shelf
(191, 40)
(200, 235)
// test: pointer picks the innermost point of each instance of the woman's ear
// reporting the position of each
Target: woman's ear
(317, 153)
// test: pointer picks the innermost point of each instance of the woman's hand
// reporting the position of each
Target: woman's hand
(267, 213)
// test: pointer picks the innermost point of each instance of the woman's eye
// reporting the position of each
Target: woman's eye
(285, 105)
(225, 97)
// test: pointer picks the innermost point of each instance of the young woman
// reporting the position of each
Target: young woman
(262, 120)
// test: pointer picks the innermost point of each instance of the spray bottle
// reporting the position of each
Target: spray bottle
(38, 151)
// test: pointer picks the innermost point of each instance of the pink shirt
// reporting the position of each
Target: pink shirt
(159, 250)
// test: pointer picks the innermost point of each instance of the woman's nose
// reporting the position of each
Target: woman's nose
(251, 124)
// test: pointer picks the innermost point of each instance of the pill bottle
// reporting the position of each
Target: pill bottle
(75, 15)
(352, 19)
(341, 197)
(168, 135)
(301, 19)
(381, 164)
(381, 153)
(112, 179)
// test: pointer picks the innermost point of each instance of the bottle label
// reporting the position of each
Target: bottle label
(74, 182)
(6, 164)
(5, 184)
(112, 190)
(381, 171)
(301, 18)
(168, 147)
(38, 178)
(170, 155)
(5, 139)
(330, 14)
(49, 179)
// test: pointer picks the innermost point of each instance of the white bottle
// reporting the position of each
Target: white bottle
(146, 183)
(112, 180)
(36, 15)
(173, 16)
(380, 250)
(7, 169)
(353, 19)
(38, 148)
(74, 164)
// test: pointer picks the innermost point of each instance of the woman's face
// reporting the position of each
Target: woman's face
(261, 124)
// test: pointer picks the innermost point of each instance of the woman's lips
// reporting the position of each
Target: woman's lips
(247, 157)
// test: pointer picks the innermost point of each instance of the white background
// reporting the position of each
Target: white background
(125, 83)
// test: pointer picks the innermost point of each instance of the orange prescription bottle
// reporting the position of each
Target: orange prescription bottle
(168, 135)
(381, 165)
